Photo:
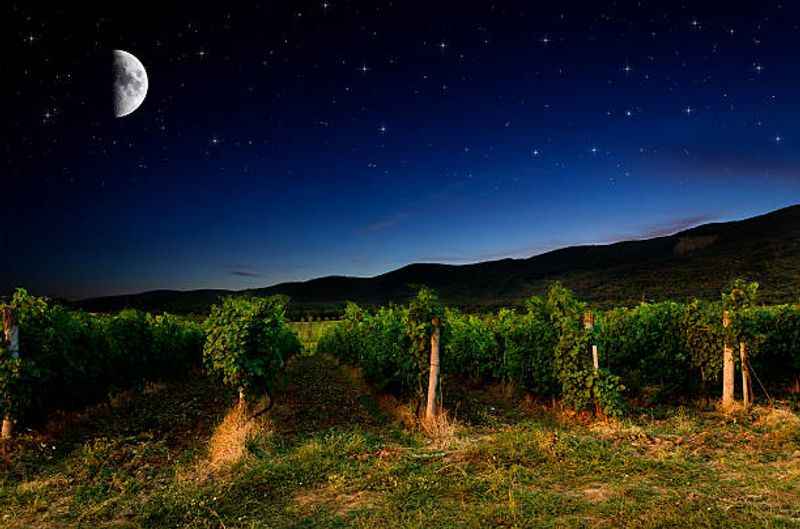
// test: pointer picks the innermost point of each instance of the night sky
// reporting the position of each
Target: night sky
(289, 140)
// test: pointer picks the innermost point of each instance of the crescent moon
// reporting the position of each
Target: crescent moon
(130, 83)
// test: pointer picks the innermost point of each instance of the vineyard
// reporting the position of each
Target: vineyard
(67, 359)
(649, 354)
(654, 353)
(555, 415)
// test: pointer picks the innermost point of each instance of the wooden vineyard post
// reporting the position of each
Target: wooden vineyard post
(242, 398)
(727, 367)
(747, 383)
(11, 336)
(433, 377)
(588, 324)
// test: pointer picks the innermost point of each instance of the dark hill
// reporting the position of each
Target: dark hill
(697, 262)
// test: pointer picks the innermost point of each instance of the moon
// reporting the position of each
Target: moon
(130, 83)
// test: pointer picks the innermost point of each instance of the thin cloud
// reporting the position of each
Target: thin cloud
(385, 223)
(673, 226)
(522, 252)
(244, 271)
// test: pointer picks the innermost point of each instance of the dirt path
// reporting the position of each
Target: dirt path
(319, 395)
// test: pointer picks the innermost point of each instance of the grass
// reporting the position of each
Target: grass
(330, 454)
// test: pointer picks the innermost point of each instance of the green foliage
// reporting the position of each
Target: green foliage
(69, 358)
(175, 338)
(704, 336)
(772, 335)
(736, 300)
(14, 393)
(646, 345)
(544, 350)
(377, 343)
(391, 345)
(424, 308)
(580, 384)
(309, 333)
(607, 392)
(248, 342)
(471, 348)
(526, 344)
(655, 351)
(739, 295)
(662, 350)
(387, 357)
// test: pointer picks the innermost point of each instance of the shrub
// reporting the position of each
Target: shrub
(14, 393)
(580, 383)
(772, 335)
(70, 358)
(391, 346)
(704, 336)
(248, 342)
(471, 348)
(526, 346)
(645, 345)
(386, 355)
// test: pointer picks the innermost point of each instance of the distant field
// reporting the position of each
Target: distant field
(310, 331)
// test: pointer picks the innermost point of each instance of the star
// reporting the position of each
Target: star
(382, 129)
(545, 40)
(778, 139)
(363, 68)
(535, 152)
(442, 45)
(688, 111)
(627, 68)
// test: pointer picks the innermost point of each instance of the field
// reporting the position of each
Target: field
(247, 420)
(331, 454)
(310, 332)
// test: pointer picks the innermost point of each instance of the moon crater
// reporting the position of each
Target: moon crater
(130, 83)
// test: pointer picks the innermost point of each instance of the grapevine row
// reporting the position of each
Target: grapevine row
(653, 352)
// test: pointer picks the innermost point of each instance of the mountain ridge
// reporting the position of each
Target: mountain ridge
(695, 262)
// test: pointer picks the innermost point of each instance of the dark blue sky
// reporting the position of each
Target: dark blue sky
(284, 141)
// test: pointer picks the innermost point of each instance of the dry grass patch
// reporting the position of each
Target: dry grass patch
(41, 486)
(777, 420)
(441, 429)
(228, 442)
(339, 502)
(597, 492)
